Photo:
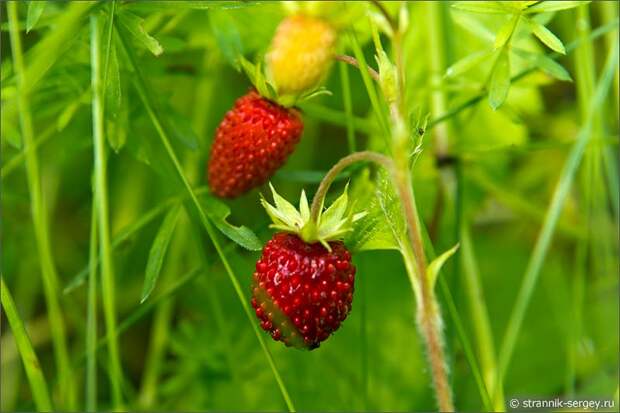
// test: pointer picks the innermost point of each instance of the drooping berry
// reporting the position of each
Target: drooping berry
(300, 54)
(302, 292)
(251, 143)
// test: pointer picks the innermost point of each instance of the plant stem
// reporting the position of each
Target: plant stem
(91, 318)
(385, 14)
(428, 314)
(429, 317)
(39, 218)
(319, 196)
(353, 62)
(101, 195)
(38, 385)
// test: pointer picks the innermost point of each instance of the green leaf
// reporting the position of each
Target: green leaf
(546, 64)
(473, 25)
(35, 10)
(383, 226)
(217, 211)
(227, 36)
(467, 63)
(158, 251)
(432, 271)
(546, 36)
(113, 97)
(492, 7)
(505, 32)
(547, 6)
(500, 80)
(135, 25)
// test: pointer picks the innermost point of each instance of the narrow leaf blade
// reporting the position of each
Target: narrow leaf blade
(487, 7)
(467, 63)
(547, 37)
(134, 24)
(217, 211)
(35, 10)
(500, 80)
(227, 36)
(158, 251)
(435, 266)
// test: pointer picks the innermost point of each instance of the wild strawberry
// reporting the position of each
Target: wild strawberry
(303, 285)
(253, 140)
(300, 54)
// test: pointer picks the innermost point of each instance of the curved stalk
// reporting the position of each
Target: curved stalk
(319, 196)
(353, 62)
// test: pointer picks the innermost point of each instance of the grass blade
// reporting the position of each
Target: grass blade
(158, 251)
(38, 385)
(101, 195)
(150, 108)
(348, 105)
(39, 218)
(128, 232)
(91, 316)
(480, 317)
(553, 212)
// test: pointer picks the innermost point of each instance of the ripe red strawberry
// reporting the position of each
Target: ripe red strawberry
(303, 285)
(302, 292)
(253, 140)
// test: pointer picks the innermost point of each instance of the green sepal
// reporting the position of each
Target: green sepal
(259, 78)
(330, 225)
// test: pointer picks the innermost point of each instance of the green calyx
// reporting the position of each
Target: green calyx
(266, 89)
(329, 225)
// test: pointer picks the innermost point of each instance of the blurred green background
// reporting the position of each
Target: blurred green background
(189, 346)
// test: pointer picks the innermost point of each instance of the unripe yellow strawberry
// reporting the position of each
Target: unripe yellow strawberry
(300, 54)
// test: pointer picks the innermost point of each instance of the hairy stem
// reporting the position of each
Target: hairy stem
(428, 314)
(429, 318)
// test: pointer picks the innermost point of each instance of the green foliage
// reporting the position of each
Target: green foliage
(217, 211)
(383, 226)
(135, 25)
(507, 39)
(158, 251)
(534, 183)
(35, 10)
